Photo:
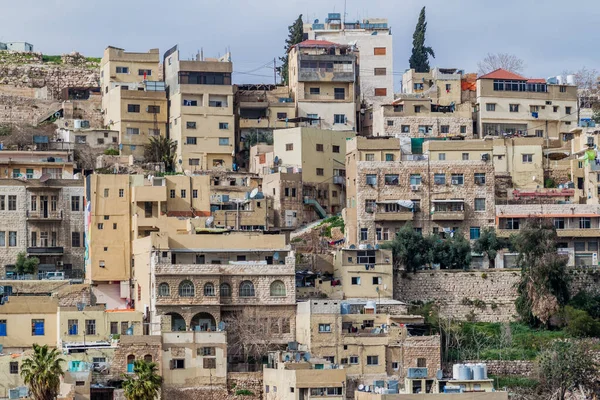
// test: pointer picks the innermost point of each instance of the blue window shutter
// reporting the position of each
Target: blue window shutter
(3, 329)
(39, 329)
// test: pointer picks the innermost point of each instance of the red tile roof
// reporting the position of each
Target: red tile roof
(536, 80)
(503, 74)
(317, 43)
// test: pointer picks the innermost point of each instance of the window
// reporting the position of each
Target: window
(186, 289)
(463, 129)
(513, 107)
(425, 129)
(153, 109)
(417, 109)
(372, 360)
(133, 108)
(379, 51)
(355, 280)
(391, 179)
(380, 71)
(445, 128)
(195, 193)
(377, 280)
(289, 146)
(335, 149)
(225, 290)
(319, 147)
(372, 179)
(172, 193)
(568, 110)
(2, 327)
(353, 359)
(389, 157)
(223, 141)
(369, 157)
(448, 87)
(2, 202)
(114, 328)
(513, 223)
(474, 232)
(223, 125)
(194, 161)
(12, 239)
(415, 179)
(457, 179)
(465, 156)
(405, 128)
(539, 132)
(178, 363)
(421, 363)
(100, 226)
(579, 246)
(190, 125)
(133, 131)
(339, 118)
(563, 89)
(364, 233)
(122, 70)
(593, 246)
(320, 172)
(442, 156)
(281, 115)
(480, 204)
(12, 203)
(490, 107)
(209, 363)
(555, 109)
(90, 326)
(37, 327)
(390, 122)
(314, 90)
(164, 289)
(534, 109)
(14, 367)
(559, 223)
(246, 289)
(339, 93)
(527, 158)
(190, 103)
(34, 203)
(75, 239)
(585, 223)
(121, 192)
(324, 328)
(209, 289)
(439, 179)
(3, 239)
(278, 289)
(380, 91)
(479, 178)
(183, 193)
(53, 202)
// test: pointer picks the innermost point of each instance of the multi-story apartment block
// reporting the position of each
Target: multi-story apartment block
(35, 164)
(387, 188)
(585, 169)
(323, 81)
(373, 340)
(430, 106)
(43, 219)
(201, 111)
(577, 227)
(509, 104)
(373, 39)
(134, 101)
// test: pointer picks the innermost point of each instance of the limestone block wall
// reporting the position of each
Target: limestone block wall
(454, 123)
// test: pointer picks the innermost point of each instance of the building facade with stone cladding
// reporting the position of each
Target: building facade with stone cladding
(446, 196)
(44, 220)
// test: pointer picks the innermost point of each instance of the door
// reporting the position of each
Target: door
(148, 209)
(44, 206)
(269, 259)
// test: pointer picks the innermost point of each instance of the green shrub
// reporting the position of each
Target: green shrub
(111, 152)
(579, 323)
(52, 59)
(244, 392)
(587, 302)
(479, 303)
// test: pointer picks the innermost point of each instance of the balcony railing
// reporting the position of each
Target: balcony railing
(46, 250)
(44, 215)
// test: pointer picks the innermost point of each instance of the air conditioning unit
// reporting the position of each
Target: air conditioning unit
(60, 263)
(455, 182)
(485, 157)
(438, 181)
(549, 102)
(415, 188)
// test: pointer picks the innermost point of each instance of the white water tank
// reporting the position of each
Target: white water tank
(478, 372)
(455, 368)
(464, 373)
(560, 79)
(570, 79)
(77, 124)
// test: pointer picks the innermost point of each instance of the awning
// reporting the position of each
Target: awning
(447, 201)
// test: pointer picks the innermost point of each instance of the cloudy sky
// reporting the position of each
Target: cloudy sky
(551, 36)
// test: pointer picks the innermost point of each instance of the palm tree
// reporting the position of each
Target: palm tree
(41, 371)
(145, 383)
(161, 149)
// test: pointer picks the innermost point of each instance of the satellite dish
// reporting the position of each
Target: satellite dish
(369, 247)
(187, 172)
(276, 255)
(209, 221)
(316, 21)
(352, 246)
(361, 387)
(276, 160)
(253, 193)
(376, 247)
(45, 178)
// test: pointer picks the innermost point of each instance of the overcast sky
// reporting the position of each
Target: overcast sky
(551, 36)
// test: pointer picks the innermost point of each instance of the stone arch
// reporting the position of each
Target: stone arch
(177, 322)
(247, 289)
(203, 321)
(277, 289)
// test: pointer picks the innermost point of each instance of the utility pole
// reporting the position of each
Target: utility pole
(274, 71)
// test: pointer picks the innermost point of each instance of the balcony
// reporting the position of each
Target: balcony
(394, 216)
(149, 193)
(448, 210)
(48, 250)
(339, 180)
(582, 233)
(44, 215)
(448, 216)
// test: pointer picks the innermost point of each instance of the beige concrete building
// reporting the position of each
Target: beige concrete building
(289, 376)
(433, 396)
(323, 81)
(364, 273)
(43, 219)
(201, 111)
(134, 101)
(372, 340)
(373, 39)
(509, 104)
(584, 165)
(34, 164)
(25, 321)
(388, 188)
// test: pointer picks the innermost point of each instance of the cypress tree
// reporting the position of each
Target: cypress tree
(295, 36)
(419, 60)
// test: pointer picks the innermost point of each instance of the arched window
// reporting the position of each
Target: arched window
(186, 289)
(277, 288)
(246, 289)
(209, 289)
(164, 289)
(130, 363)
(148, 358)
(225, 290)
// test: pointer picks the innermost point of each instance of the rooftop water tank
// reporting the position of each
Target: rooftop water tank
(464, 373)
(478, 372)
(455, 368)
(570, 79)
(77, 124)
(560, 80)
(373, 305)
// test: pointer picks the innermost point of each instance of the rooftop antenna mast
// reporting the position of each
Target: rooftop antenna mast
(344, 17)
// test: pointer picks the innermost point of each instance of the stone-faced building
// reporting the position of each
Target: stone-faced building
(387, 189)
(43, 220)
